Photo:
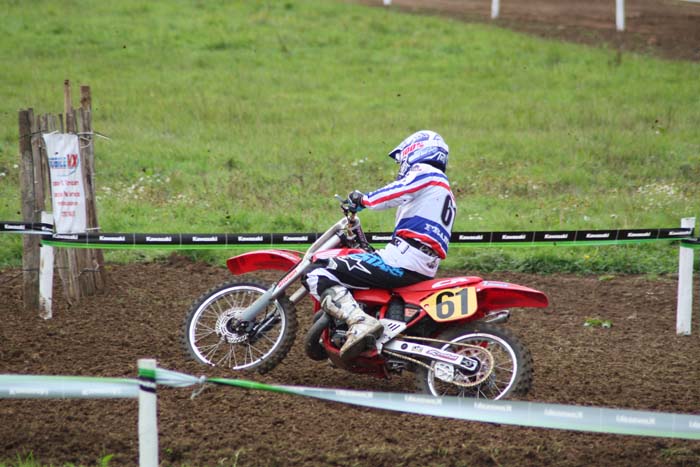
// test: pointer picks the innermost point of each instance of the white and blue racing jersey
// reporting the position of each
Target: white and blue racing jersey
(426, 213)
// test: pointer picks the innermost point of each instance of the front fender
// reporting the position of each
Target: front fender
(493, 295)
(280, 260)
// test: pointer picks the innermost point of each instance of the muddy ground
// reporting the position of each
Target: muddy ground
(663, 28)
(639, 363)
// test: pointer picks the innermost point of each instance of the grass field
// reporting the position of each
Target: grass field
(249, 116)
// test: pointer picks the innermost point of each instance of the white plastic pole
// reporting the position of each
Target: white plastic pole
(495, 8)
(684, 310)
(148, 414)
(46, 273)
(387, 2)
(620, 14)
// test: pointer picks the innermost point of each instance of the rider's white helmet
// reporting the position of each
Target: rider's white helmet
(422, 147)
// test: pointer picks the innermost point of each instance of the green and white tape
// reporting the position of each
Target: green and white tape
(521, 413)
(66, 387)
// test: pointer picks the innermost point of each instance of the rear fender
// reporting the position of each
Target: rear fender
(469, 297)
(493, 295)
(280, 260)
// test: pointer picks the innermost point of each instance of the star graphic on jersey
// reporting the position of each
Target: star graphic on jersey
(331, 264)
(353, 263)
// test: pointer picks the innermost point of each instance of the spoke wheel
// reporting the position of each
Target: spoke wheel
(510, 376)
(215, 336)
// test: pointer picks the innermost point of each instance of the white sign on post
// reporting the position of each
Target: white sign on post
(67, 190)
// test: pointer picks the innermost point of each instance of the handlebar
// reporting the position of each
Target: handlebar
(353, 235)
(346, 205)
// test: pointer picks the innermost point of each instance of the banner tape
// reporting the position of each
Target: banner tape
(691, 243)
(522, 413)
(32, 228)
(66, 387)
(232, 240)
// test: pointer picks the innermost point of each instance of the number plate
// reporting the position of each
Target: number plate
(451, 304)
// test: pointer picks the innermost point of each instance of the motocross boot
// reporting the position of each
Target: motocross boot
(362, 328)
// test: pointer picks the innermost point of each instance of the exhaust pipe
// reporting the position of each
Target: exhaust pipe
(497, 317)
(314, 350)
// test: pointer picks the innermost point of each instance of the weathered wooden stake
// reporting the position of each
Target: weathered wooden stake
(81, 270)
(30, 243)
(87, 150)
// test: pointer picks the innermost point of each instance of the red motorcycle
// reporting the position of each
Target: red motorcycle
(444, 330)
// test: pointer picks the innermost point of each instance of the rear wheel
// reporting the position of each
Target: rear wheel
(509, 370)
(214, 334)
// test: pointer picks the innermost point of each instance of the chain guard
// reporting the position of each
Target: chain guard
(445, 371)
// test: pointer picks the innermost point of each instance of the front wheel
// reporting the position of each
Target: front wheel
(214, 335)
(509, 374)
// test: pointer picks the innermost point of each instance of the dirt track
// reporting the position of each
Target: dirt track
(639, 363)
(665, 28)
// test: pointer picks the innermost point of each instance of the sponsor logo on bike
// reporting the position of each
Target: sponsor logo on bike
(448, 282)
(443, 355)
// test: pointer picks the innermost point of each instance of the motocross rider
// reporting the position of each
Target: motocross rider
(425, 214)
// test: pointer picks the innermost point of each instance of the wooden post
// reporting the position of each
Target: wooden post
(88, 156)
(79, 259)
(30, 243)
(81, 270)
(68, 108)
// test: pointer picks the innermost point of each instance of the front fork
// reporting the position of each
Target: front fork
(327, 241)
(246, 321)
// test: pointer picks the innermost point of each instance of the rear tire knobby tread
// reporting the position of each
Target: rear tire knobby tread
(287, 339)
(523, 381)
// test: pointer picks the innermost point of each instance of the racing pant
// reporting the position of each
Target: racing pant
(358, 271)
(329, 283)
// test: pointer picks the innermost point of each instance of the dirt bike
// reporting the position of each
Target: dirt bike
(445, 330)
